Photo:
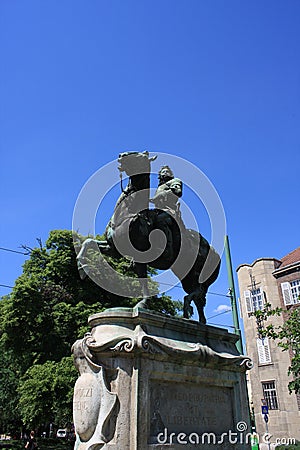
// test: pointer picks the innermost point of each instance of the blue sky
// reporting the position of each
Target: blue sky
(217, 83)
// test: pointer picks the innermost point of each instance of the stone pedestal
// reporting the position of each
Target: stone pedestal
(148, 382)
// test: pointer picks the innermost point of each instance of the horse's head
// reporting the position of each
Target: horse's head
(135, 163)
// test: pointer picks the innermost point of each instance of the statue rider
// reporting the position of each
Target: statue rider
(168, 218)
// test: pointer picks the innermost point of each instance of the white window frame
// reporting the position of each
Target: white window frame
(270, 394)
(290, 292)
(263, 350)
(254, 300)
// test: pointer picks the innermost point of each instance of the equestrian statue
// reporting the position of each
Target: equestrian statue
(158, 232)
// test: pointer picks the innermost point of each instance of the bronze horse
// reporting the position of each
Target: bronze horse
(186, 252)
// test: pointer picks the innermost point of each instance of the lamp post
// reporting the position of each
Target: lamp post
(232, 295)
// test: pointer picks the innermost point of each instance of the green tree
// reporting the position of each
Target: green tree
(50, 304)
(46, 392)
(45, 314)
(287, 336)
(9, 380)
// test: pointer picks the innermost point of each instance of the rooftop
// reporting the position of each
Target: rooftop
(291, 258)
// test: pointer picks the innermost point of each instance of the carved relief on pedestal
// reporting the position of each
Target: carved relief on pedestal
(95, 408)
(124, 340)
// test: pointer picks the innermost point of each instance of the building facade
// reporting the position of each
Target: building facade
(274, 281)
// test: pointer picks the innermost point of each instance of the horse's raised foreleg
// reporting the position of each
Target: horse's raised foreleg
(81, 259)
(83, 263)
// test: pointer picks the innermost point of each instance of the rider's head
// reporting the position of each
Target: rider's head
(165, 174)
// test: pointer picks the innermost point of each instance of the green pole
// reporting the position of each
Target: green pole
(236, 324)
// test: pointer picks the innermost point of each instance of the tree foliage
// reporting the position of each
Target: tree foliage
(287, 337)
(44, 315)
(45, 393)
(9, 379)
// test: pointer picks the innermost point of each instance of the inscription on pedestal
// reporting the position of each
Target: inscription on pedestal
(188, 408)
(83, 396)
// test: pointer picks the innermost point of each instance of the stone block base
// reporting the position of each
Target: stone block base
(149, 382)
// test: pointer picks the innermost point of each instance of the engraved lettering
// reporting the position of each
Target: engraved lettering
(186, 407)
(84, 392)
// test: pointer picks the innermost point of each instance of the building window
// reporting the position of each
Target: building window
(291, 292)
(254, 300)
(270, 394)
(263, 349)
